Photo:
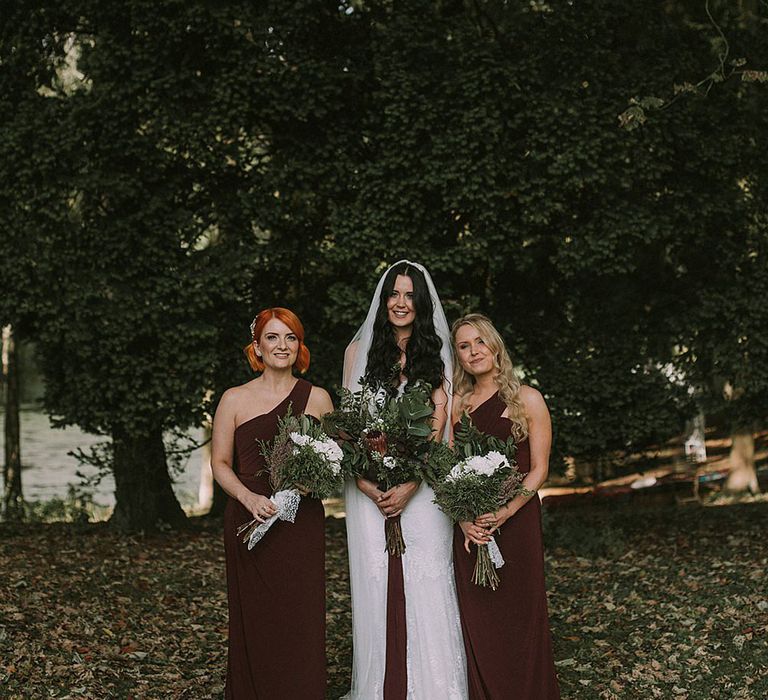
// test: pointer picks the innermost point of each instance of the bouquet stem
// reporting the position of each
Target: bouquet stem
(247, 529)
(394, 536)
(485, 571)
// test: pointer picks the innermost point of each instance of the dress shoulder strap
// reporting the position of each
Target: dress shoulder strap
(300, 396)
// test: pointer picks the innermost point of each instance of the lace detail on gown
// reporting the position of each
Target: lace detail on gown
(435, 649)
(436, 661)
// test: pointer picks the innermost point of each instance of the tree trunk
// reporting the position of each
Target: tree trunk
(743, 476)
(143, 492)
(13, 502)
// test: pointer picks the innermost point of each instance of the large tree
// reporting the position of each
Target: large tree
(182, 182)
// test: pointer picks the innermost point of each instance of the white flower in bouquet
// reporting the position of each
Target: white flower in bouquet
(376, 425)
(326, 448)
(483, 465)
(300, 439)
(331, 451)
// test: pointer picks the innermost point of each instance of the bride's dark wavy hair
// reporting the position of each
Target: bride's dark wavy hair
(422, 353)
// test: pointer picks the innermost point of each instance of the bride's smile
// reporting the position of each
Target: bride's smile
(400, 308)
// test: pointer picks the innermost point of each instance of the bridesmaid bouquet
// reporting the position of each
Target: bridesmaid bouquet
(302, 460)
(384, 439)
(484, 477)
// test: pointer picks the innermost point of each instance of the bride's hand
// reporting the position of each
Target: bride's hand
(393, 502)
(473, 533)
(371, 490)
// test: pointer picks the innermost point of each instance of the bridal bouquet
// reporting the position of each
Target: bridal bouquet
(384, 439)
(302, 459)
(483, 477)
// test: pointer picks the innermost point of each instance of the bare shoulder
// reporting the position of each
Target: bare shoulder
(236, 396)
(319, 402)
(534, 402)
(231, 397)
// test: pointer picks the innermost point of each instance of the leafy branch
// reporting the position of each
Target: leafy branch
(637, 113)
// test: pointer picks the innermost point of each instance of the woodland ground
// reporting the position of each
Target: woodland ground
(645, 603)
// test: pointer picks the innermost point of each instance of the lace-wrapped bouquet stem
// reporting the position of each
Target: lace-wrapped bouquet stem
(301, 460)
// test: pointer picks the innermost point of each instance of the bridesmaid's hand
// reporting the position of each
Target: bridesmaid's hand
(474, 533)
(260, 507)
(491, 521)
(393, 502)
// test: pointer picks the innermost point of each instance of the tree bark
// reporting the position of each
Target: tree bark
(144, 496)
(13, 502)
(743, 475)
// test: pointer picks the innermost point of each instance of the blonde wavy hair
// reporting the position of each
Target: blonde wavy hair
(506, 378)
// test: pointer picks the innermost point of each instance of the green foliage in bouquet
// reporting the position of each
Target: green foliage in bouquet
(468, 441)
(439, 461)
(463, 494)
(347, 425)
(470, 495)
(303, 456)
(404, 423)
(385, 439)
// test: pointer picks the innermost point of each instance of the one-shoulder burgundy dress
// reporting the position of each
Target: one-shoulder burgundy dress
(276, 590)
(506, 631)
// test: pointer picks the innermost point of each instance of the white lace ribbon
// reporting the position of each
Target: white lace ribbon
(287, 504)
(495, 552)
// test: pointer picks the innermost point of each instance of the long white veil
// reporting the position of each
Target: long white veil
(356, 357)
(436, 663)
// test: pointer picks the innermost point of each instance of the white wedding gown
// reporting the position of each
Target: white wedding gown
(435, 649)
(436, 664)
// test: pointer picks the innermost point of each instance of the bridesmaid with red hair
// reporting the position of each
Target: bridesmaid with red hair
(276, 591)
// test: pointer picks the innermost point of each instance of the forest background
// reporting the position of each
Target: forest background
(591, 175)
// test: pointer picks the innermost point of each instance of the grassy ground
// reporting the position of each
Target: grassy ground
(667, 603)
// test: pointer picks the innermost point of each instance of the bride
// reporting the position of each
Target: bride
(407, 639)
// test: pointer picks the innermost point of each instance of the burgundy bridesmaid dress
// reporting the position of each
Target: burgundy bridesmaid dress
(276, 591)
(506, 631)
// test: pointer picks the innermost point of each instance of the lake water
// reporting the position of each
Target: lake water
(48, 471)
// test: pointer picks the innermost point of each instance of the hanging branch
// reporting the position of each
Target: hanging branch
(637, 113)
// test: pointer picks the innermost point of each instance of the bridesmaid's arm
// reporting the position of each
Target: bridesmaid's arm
(540, 440)
(222, 452)
(319, 403)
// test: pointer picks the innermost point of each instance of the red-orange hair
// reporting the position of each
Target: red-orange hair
(291, 320)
